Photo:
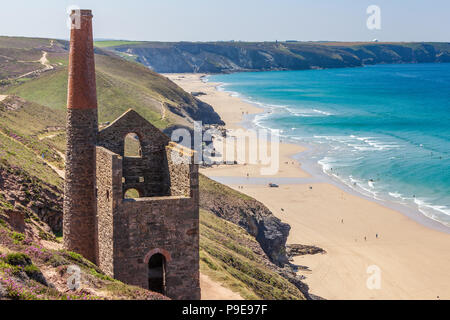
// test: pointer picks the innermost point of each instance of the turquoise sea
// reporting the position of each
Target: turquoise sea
(382, 130)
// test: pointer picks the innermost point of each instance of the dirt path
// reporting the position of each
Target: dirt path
(163, 111)
(60, 172)
(2, 97)
(44, 61)
(212, 290)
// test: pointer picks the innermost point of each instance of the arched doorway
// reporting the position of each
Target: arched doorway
(157, 273)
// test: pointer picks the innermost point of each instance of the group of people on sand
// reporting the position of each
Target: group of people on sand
(365, 237)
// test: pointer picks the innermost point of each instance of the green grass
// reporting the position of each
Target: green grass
(23, 42)
(48, 90)
(114, 43)
(121, 85)
(20, 130)
(209, 185)
(127, 56)
(18, 259)
(13, 154)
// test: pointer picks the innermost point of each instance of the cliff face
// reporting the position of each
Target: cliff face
(248, 213)
(219, 57)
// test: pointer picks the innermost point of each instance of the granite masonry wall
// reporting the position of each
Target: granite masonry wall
(164, 220)
(149, 173)
(109, 197)
(79, 225)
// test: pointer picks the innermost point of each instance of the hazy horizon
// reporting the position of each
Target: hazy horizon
(249, 21)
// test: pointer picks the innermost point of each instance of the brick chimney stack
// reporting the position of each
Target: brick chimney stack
(80, 206)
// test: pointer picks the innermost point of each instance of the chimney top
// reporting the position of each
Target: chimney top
(83, 12)
(81, 86)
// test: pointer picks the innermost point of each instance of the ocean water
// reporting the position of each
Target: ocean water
(382, 130)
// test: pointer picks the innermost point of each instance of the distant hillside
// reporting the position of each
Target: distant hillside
(219, 57)
(121, 84)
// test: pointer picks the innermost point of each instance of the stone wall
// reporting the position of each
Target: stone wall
(179, 160)
(109, 197)
(149, 173)
(79, 223)
(166, 224)
(164, 220)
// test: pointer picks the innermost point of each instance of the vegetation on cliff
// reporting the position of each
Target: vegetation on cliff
(248, 213)
(233, 257)
(218, 57)
(121, 85)
(32, 268)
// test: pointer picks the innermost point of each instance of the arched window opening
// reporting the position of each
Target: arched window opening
(132, 146)
(157, 273)
(131, 194)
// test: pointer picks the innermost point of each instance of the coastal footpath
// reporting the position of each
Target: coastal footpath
(357, 234)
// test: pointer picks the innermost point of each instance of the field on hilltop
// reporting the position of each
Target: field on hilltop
(233, 56)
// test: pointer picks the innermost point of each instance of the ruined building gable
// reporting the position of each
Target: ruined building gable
(112, 137)
(149, 173)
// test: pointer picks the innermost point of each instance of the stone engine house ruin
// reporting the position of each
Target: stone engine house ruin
(151, 241)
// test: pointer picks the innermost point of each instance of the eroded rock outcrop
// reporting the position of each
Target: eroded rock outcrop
(253, 216)
(28, 194)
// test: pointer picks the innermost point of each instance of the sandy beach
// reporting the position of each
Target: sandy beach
(360, 236)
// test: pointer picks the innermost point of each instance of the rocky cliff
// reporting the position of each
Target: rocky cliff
(248, 213)
(219, 57)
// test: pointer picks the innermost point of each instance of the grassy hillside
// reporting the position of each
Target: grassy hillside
(121, 85)
(20, 146)
(229, 255)
(216, 57)
(30, 270)
(19, 56)
(32, 144)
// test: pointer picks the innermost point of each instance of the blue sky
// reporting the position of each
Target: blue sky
(247, 20)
